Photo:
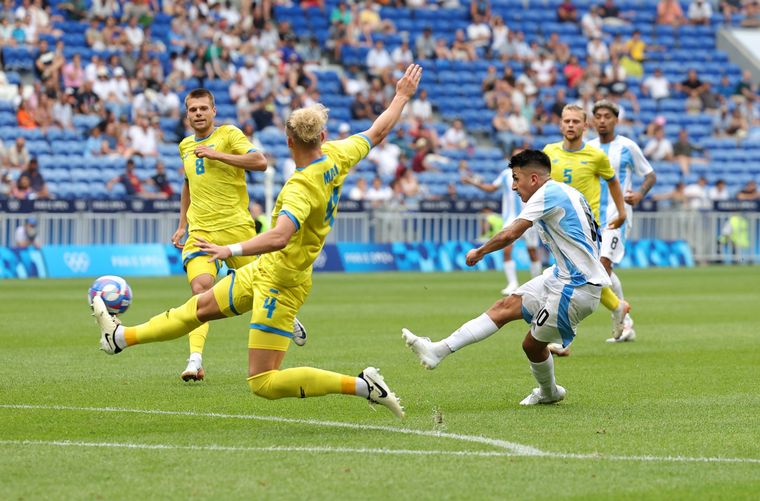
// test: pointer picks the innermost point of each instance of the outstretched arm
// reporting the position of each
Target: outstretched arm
(269, 241)
(487, 187)
(505, 237)
(405, 89)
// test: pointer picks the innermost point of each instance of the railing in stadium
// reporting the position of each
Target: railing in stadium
(702, 230)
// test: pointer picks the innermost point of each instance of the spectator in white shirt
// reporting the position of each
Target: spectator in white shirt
(656, 86)
(455, 136)
(659, 147)
(144, 138)
(134, 35)
(479, 34)
(250, 73)
(718, 192)
(378, 59)
(385, 157)
(592, 23)
(421, 107)
(378, 194)
(598, 51)
(402, 54)
(120, 85)
(696, 194)
(700, 12)
(358, 192)
(103, 86)
(546, 73)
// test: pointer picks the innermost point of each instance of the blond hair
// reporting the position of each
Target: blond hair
(305, 125)
(575, 107)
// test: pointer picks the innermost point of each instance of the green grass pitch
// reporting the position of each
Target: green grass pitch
(673, 415)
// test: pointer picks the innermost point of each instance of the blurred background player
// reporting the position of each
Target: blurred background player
(583, 167)
(275, 286)
(510, 208)
(554, 302)
(626, 158)
(26, 234)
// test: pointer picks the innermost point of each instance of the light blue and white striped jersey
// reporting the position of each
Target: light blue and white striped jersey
(627, 159)
(510, 200)
(566, 225)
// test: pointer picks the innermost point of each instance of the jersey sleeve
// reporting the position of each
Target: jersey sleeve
(641, 165)
(348, 152)
(239, 144)
(295, 203)
(603, 167)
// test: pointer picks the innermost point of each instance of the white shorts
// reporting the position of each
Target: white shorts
(613, 245)
(530, 237)
(553, 308)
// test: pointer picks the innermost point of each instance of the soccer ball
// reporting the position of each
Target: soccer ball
(115, 292)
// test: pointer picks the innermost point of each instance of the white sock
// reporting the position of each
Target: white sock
(196, 358)
(510, 270)
(616, 286)
(118, 338)
(473, 331)
(361, 388)
(535, 268)
(544, 374)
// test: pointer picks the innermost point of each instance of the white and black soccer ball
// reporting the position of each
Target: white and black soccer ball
(114, 291)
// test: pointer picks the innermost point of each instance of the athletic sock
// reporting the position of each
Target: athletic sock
(473, 331)
(196, 358)
(609, 299)
(303, 382)
(168, 325)
(535, 268)
(361, 388)
(197, 338)
(616, 287)
(544, 374)
(510, 270)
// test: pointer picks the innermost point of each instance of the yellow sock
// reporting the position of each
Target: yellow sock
(197, 338)
(168, 325)
(609, 299)
(301, 382)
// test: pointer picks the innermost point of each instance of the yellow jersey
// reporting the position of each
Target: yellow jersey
(583, 169)
(310, 199)
(218, 191)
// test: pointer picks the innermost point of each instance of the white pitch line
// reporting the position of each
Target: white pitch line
(512, 449)
(273, 448)
(520, 449)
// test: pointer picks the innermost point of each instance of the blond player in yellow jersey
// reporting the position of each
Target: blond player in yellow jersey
(275, 286)
(584, 167)
(214, 203)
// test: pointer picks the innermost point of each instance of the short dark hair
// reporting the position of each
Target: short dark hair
(531, 158)
(200, 92)
(606, 104)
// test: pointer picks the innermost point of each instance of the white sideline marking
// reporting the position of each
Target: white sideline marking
(508, 448)
(273, 448)
(522, 450)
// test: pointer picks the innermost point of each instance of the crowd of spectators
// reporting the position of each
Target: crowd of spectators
(271, 71)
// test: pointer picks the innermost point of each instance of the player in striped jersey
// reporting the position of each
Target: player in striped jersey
(584, 167)
(554, 302)
(510, 208)
(626, 159)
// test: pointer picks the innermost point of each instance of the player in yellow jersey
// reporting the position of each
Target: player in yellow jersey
(214, 202)
(275, 286)
(584, 167)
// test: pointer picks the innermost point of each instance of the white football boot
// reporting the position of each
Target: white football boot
(425, 349)
(299, 333)
(380, 393)
(108, 325)
(509, 289)
(536, 397)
